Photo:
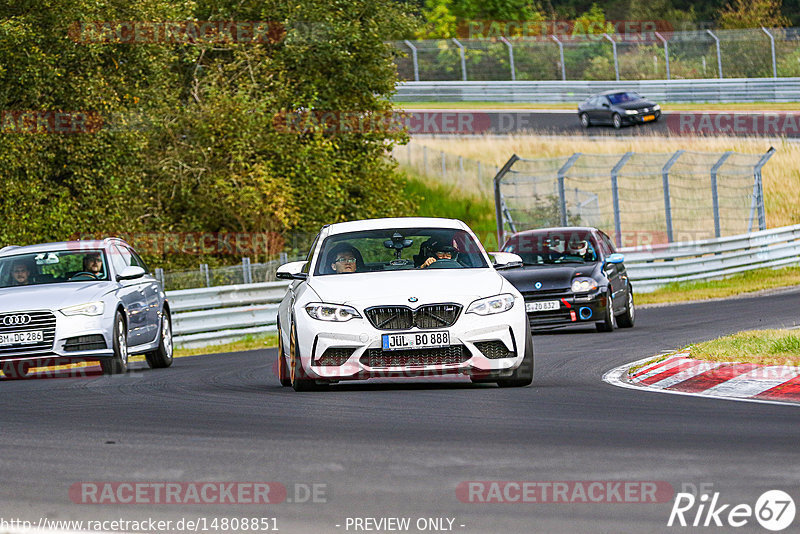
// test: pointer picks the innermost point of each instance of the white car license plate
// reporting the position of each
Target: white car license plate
(417, 340)
(542, 305)
(22, 338)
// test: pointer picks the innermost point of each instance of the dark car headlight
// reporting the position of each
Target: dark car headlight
(584, 285)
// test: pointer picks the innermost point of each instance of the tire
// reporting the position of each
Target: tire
(626, 319)
(616, 121)
(16, 370)
(610, 321)
(117, 364)
(163, 355)
(585, 122)
(283, 371)
(523, 375)
(299, 380)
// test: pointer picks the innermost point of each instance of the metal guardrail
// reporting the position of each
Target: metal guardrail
(216, 315)
(652, 267)
(549, 92)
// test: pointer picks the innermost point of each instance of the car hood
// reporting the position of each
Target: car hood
(637, 104)
(436, 285)
(550, 276)
(51, 296)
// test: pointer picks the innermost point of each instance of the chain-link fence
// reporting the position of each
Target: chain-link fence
(698, 54)
(205, 276)
(464, 174)
(636, 198)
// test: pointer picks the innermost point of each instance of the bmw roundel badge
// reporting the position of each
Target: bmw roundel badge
(413, 299)
(538, 285)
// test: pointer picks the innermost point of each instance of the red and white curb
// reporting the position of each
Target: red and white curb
(683, 375)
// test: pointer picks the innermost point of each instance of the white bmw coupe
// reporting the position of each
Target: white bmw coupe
(398, 298)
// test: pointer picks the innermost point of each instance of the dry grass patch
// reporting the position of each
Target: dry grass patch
(763, 347)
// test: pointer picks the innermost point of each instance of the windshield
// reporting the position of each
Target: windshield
(52, 267)
(621, 98)
(401, 249)
(544, 248)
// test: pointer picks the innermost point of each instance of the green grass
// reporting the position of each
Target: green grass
(248, 343)
(440, 200)
(738, 284)
(764, 347)
(683, 106)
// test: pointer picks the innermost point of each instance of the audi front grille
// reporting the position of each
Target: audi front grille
(13, 323)
(425, 317)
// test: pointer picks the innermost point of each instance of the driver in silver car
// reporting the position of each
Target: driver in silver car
(93, 263)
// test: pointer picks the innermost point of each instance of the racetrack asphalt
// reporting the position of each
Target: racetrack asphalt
(401, 449)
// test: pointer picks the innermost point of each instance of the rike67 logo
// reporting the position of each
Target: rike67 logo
(774, 510)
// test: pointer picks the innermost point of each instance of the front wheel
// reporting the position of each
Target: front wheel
(625, 320)
(585, 122)
(162, 356)
(117, 364)
(610, 321)
(283, 371)
(617, 120)
(298, 378)
(523, 375)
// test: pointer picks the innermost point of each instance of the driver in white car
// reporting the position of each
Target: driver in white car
(440, 250)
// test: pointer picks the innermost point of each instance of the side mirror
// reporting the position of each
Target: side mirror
(291, 271)
(130, 272)
(505, 260)
(605, 105)
(615, 258)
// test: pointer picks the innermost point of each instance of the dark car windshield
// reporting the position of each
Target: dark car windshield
(547, 248)
(52, 267)
(401, 249)
(621, 98)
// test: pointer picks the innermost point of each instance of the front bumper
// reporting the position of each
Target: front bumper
(66, 339)
(573, 309)
(479, 345)
(641, 118)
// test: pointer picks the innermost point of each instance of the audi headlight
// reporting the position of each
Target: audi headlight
(657, 107)
(91, 308)
(491, 305)
(583, 285)
(631, 112)
(331, 312)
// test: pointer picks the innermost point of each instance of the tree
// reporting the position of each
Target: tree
(752, 14)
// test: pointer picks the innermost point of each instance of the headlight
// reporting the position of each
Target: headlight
(657, 107)
(490, 305)
(582, 285)
(631, 112)
(331, 312)
(92, 308)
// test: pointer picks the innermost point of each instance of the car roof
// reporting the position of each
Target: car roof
(564, 229)
(396, 222)
(89, 244)
(616, 91)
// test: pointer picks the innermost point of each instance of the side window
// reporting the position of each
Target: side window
(138, 261)
(120, 257)
(608, 243)
(307, 266)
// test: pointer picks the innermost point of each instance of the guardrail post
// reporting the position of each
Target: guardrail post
(159, 272)
(204, 274)
(283, 258)
(758, 188)
(463, 59)
(772, 47)
(665, 185)
(614, 48)
(247, 273)
(510, 57)
(615, 197)
(666, 54)
(714, 195)
(561, 53)
(562, 198)
(719, 55)
(499, 206)
(413, 59)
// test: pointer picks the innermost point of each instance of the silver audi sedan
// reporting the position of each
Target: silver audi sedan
(80, 301)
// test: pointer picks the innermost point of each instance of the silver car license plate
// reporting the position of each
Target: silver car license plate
(417, 340)
(22, 338)
(543, 305)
